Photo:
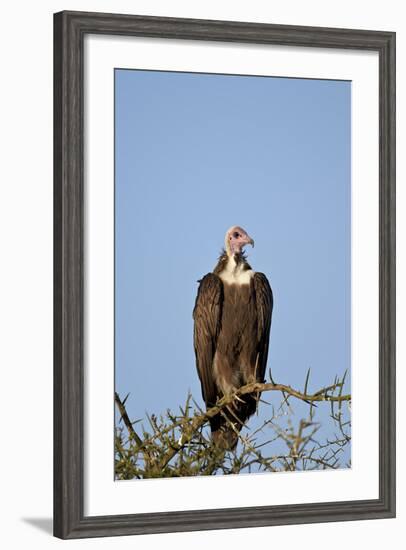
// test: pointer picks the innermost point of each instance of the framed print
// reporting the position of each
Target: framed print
(202, 383)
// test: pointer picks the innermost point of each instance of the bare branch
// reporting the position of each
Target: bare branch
(180, 444)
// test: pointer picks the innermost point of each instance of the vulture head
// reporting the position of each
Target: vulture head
(235, 240)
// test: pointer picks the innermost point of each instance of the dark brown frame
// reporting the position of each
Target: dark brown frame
(69, 30)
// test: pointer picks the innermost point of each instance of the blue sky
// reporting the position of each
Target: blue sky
(195, 154)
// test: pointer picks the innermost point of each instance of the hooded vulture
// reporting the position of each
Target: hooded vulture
(232, 322)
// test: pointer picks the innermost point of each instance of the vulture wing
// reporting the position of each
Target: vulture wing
(207, 320)
(264, 301)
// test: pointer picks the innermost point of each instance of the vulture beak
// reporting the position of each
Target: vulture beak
(248, 240)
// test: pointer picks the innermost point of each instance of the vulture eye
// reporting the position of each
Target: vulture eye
(235, 234)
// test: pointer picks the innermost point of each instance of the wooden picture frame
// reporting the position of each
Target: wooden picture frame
(69, 31)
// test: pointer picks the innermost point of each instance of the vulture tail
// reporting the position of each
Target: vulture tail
(225, 428)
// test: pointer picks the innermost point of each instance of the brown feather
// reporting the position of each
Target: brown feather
(207, 319)
(231, 337)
